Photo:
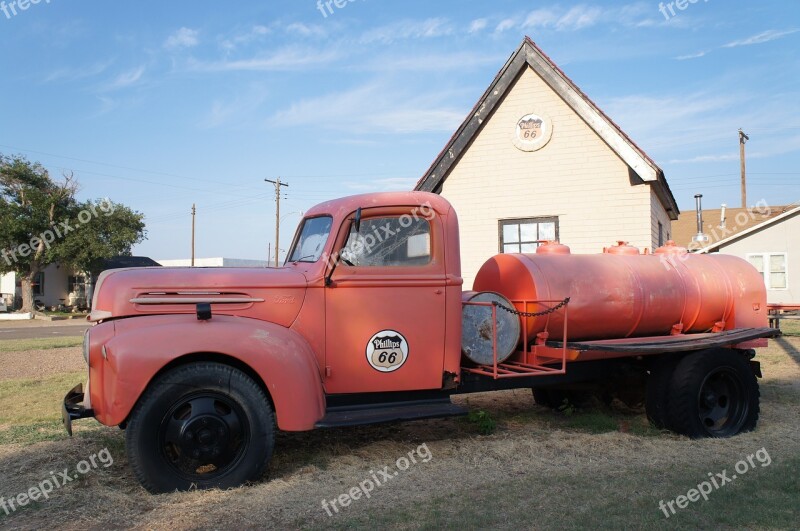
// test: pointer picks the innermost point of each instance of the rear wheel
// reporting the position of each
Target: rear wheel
(713, 393)
(201, 426)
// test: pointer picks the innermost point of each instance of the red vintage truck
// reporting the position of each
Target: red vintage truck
(367, 322)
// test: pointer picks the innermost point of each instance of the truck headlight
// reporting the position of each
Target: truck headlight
(86, 346)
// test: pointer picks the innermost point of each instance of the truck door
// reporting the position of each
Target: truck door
(385, 307)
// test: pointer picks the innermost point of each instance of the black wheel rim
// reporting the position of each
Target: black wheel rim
(203, 436)
(722, 403)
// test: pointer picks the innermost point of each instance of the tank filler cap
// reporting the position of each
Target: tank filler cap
(553, 247)
(671, 248)
(622, 248)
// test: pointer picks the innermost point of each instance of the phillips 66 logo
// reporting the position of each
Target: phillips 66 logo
(387, 351)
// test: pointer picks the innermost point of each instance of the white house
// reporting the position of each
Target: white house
(54, 286)
(773, 247)
(536, 160)
(214, 262)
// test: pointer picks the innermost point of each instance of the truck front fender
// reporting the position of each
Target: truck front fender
(142, 347)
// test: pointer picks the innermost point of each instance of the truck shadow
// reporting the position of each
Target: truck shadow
(788, 348)
(375, 444)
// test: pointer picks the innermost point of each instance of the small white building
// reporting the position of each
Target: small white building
(53, 287)
(536, 160)
(214, 262)
(773, 247)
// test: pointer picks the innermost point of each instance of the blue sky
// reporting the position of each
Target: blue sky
(163, 104)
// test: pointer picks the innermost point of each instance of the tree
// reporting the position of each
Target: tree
(31, 205)
(112, 231)
(41, 223)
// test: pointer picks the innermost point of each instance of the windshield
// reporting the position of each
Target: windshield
(313, 235)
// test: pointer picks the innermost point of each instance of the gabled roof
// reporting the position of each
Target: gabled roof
(755, 228)
(528, 55)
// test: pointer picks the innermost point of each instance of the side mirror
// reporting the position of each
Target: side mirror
(357, 221)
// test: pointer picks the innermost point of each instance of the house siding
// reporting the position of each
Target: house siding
(576, 177)
(781, 237)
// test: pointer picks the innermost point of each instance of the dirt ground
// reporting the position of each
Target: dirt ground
(533, 472)
(39, 363)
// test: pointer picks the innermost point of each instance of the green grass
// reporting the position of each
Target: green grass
(790, 328)
(78, 315)
(21, 345)
(30, 410)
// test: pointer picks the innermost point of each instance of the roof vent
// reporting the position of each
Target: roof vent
(699, 237)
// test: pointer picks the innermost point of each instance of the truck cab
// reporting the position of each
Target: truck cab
(384, 271)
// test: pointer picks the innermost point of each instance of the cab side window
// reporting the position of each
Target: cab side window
(389, 241)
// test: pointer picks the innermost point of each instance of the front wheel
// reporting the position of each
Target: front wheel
(713, 393)
(205, 425)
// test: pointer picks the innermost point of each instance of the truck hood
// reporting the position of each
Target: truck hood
(274, 295)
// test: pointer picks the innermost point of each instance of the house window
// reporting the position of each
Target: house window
(38, 284)
(77, 285)
(660, 234)
(524, 235)
(773, 267)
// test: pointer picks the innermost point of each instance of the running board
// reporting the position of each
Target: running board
(389, 412)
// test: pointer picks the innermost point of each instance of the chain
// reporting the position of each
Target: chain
(533, 314)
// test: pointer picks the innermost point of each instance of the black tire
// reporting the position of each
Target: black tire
(555, 398)
(713, 393)
(204, 425)
(657, 389)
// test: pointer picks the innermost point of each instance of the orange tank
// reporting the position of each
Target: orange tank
(623, 293)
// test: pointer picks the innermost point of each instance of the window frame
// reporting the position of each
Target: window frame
(431, 249)
(296, 240)
(502, 223)
(767, 261)
(38, 284)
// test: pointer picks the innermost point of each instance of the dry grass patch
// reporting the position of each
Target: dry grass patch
(539, 469)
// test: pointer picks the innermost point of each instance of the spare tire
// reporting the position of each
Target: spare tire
(477, 329)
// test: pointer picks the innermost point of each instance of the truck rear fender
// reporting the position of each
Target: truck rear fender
(142, 348)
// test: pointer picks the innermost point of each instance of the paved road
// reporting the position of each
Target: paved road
(28, 331)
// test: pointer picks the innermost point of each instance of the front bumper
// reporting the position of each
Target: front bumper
(73, 408)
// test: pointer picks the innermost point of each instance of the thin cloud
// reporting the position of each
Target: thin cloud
(579, 17)
(691, 56)
(556, 18)
(373, 108)
(74, 74)
(285, 59)
(126, 79)
(305, 30)
(478, 25)
(183, 38)
(256, 33)
(409, 29)
(761, 38)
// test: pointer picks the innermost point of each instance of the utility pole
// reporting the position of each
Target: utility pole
(278, 185)
(743, 138)
(194, 215)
